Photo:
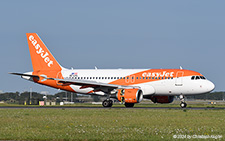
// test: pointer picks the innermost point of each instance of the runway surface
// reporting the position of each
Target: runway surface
(76, 107)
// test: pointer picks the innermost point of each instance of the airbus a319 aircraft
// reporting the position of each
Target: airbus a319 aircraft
(129, 86)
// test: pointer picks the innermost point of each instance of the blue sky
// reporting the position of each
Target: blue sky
(114, 34)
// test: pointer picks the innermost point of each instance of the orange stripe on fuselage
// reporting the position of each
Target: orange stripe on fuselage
(153, 73)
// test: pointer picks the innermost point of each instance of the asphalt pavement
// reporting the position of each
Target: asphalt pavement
(77, 107)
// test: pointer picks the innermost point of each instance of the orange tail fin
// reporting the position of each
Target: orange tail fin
(41, 57)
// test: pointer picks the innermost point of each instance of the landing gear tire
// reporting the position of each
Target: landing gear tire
(107, 103)
(129, 104)
(183, 104)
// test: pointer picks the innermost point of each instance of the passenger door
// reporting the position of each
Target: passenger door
(179, 78)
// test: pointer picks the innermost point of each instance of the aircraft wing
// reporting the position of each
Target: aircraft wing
(98, 86)
(92, 84)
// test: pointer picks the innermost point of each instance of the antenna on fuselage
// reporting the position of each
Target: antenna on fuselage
(181, 68)
(96, 68)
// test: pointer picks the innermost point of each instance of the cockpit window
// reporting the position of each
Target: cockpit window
(197, 77)
(202, 77)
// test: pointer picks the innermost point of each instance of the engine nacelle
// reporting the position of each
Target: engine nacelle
(130, 95)
(161, 99)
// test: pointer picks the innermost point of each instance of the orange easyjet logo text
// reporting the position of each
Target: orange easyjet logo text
(40, 51)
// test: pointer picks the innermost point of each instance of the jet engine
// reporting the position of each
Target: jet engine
(161, 99)
(130, 95)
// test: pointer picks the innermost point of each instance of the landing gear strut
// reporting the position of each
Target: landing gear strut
(107, 103)
(182, 104)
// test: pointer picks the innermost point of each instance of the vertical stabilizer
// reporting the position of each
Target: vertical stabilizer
(41, 57)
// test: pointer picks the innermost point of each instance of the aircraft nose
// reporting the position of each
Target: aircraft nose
(210, 86)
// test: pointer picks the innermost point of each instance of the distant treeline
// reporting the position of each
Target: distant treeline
(209, 96)
(19, 98)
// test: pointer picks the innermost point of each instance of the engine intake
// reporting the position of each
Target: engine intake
(130, 95)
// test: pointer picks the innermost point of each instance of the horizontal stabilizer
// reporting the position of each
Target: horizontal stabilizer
(23, 74)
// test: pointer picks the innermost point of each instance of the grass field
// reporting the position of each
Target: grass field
(108, 124)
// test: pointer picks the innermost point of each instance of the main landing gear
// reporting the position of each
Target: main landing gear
(107, 103)
(182, 104)
(129, 104)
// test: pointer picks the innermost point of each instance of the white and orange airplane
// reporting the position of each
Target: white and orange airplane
(129, 86)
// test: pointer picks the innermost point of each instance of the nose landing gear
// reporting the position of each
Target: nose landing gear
(182, 104)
